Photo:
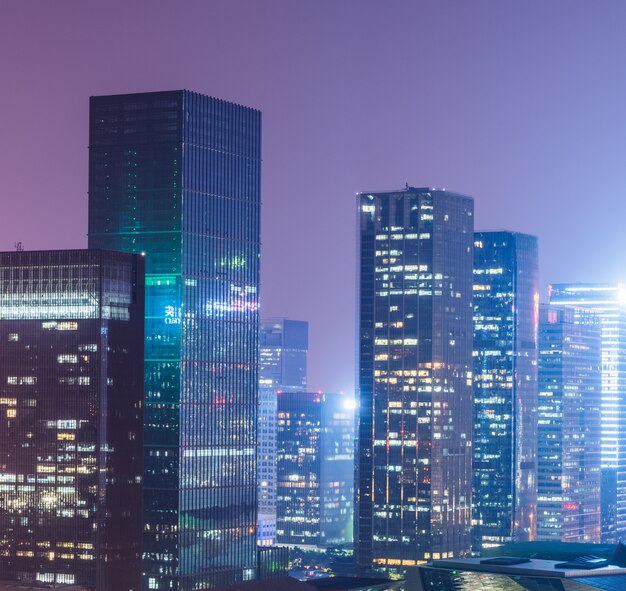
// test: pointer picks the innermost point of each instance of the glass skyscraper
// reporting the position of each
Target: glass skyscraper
(71, 397)
(568, 432)
(176, 175)
(415, 377)
(608, 302)
(283, 365)
(506, 298)
(315, 469)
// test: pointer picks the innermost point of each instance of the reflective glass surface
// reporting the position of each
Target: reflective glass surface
(177, 175)
(506, 296)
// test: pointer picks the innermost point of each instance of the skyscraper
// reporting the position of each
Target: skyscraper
(415, 377)
(176, 175)
(315, 461)
(283, 364)
(283, 356)
(506, 296)
(71, 381)
(568, 432)
(608, 303)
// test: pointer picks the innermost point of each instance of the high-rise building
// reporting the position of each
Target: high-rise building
(283, 355)
(568, 432)
(71, 382)
(608, 303)
(415, 377)
(282, 366)
(176, 175)
(315, 463)
(506, 299)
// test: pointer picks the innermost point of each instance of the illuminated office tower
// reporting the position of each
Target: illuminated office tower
(71, 394)
(415, 377)
(282, 366)
(315, 469)
(506, 294)
(608, 303)
(176, 175)
(568, 432)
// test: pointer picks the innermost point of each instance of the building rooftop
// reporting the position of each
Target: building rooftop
(534, 567)
(536, 574)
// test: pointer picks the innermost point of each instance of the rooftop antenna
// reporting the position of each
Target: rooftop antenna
(19, 247)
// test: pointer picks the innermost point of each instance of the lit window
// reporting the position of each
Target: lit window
(67, 359)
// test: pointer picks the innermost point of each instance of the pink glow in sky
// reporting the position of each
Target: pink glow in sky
(519, 104)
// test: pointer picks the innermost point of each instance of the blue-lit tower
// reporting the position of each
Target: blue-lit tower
(176, 175)
(506, 295)
(568, 431)
(608, 302)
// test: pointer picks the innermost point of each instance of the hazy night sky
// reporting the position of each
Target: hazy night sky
(520, 104)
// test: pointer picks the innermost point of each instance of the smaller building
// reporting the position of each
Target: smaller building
(315, 469)
(283, 365)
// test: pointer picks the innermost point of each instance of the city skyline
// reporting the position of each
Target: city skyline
(502, 103)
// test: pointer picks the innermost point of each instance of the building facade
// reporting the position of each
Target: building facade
(608, 303)
(176, 175)
(506, 296)
(315, 462)
(71, 396)
(283, 365)
(415, 377)
(569, 425)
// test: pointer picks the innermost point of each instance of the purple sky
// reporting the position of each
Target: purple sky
(520, 104)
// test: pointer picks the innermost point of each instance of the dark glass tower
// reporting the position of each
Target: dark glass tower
(71, 395)
(569, 425)
(506, 298)
(176, 175)
(415, 377)
(608, 302)
(283, 362)
(315, 461)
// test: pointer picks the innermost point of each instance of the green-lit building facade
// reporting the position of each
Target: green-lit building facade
(176, 175)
